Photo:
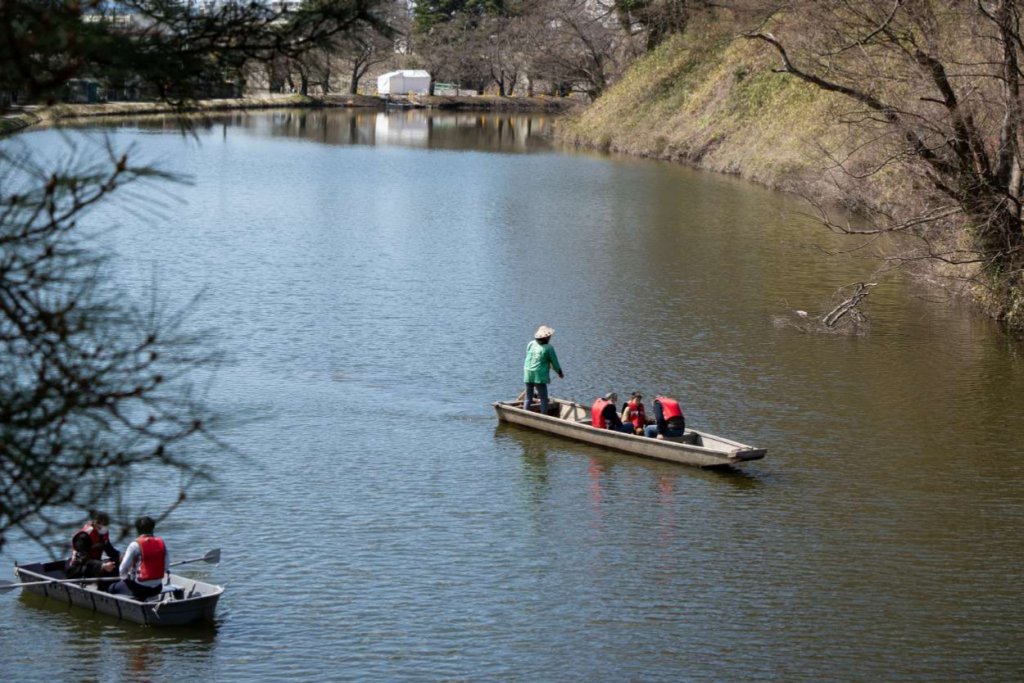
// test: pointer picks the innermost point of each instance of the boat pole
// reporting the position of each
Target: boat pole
(212, 557)
(11, 585)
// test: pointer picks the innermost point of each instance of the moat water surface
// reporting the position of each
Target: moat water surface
(375, 279)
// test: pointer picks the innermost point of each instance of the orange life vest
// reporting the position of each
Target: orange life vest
(669, 407)
(153, 560)
(97, 541)
(597, 413)
(636, 414)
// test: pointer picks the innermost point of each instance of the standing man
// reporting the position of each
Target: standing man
(540, 360)
(145, 563)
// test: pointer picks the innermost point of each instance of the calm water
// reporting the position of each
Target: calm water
(376, 278)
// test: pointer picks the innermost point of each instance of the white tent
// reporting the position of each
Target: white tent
(404, 81)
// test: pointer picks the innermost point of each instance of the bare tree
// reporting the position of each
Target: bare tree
(578, 42)
(503, 51)
(933, 90)
(365, 47)
(454, 50)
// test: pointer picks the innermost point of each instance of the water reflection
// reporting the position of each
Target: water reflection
(539, 451)
(478, 131)
(130, 651)
(377, 299)
(409, 128)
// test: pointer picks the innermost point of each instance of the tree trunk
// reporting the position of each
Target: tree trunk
(353, 82)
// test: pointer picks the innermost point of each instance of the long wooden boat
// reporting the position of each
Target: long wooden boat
(572, 420)
(184, 601)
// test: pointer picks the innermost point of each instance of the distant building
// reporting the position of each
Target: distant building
(404, 81)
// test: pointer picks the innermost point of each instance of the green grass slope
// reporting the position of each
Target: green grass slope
(711, 100)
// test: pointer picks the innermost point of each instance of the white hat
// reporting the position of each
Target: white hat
(543, 332)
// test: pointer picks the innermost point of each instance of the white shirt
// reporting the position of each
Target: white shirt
(131, 560)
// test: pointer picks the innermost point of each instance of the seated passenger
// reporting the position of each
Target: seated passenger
(603, 414)
(145, 563)
(635, 413)
(668, 419)
(87, 548)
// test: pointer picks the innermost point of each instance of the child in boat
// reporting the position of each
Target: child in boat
(633, 412)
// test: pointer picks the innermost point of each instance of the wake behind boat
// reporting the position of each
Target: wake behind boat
(184, 601)
(572, 420)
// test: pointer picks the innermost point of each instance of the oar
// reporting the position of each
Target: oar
(212, 557)
(10, 585)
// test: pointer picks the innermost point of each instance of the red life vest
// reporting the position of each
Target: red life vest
(597, 413)
(97, 541)
(669, 407)
(636, 414)
(153, 560)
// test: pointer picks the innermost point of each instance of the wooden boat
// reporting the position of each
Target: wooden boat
(572, 420)
(184, 601)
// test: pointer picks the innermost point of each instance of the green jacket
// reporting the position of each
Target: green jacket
(540, 358)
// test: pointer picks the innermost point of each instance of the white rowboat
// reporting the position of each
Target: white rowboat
(572, 420)
(185, 601)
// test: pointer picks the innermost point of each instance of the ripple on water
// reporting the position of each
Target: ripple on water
(375, 525)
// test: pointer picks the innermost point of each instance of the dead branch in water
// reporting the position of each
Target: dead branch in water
(845, 317)
(849, 306)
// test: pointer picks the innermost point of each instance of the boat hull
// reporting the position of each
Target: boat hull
(199, 601)
(695, 448)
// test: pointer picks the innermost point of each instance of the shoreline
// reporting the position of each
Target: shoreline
(24, 117)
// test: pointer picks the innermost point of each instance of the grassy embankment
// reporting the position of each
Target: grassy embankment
(708, 100)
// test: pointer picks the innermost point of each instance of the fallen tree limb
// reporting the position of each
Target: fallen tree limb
(849, 305)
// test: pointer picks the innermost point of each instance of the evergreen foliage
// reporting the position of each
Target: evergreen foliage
(429, 14)
(96, 385)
